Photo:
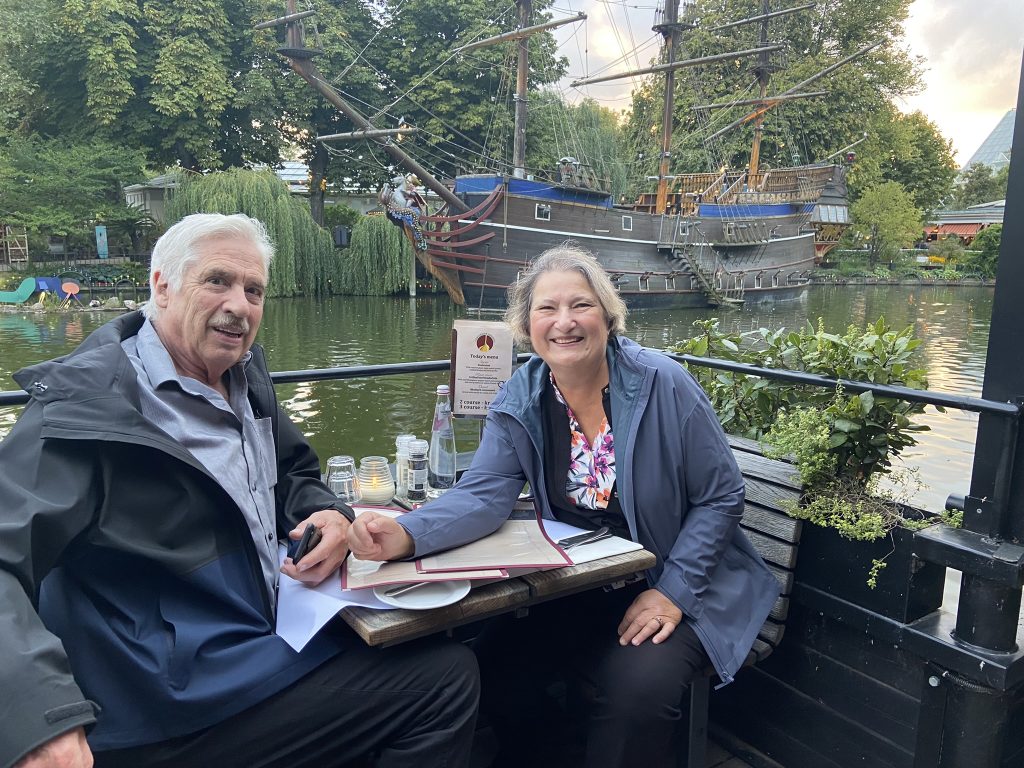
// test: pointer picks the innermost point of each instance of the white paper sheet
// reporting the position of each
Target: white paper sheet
(303, 611)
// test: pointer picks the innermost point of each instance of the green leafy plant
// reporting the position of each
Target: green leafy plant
(868, 431)
(841, 443)
(856, 508)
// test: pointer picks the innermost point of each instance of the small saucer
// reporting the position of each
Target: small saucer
(433, 595)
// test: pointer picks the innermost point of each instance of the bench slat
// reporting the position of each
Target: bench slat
(775, 524)
(780, 611)
(772, 550)
(769, 495)
(754, 466)
(784, 577)
(771, 632)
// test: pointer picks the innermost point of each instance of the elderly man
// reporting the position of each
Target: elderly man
(144, 490)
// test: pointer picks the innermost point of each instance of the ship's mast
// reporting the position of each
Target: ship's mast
(763, 72)
(669, 30)
(300, 56)
(522, 70)
(522, 36)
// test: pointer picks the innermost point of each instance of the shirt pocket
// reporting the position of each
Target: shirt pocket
(267, 453)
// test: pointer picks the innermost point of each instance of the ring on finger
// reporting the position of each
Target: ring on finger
(661, 621)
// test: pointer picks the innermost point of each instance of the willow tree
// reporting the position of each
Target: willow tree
(378, 261)
(305, 262)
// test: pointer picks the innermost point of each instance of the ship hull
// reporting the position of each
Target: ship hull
(656, 261)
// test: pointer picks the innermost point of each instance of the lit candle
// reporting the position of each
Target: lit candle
(375, 482)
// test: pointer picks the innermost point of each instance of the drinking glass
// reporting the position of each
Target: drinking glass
(342, 479)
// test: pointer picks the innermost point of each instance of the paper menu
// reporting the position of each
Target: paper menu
(517, 544)
(362, 574)
(585, 553)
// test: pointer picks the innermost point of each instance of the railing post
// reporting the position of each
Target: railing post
(988, 613)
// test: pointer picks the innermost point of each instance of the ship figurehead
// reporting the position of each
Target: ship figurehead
(405, 206)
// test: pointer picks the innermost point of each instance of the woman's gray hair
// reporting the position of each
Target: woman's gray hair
(176, 250)
(564, 258)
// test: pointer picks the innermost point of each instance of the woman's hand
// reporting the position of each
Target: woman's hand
(374, 536)
(651, 615)
(322, 560)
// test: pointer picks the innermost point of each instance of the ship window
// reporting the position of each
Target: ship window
(729, 231)
(627, 223)
(670, 283)
(693, 282)
(775, 280)
(757, 280)
(645, 282)
(543, 212)
(684, 229)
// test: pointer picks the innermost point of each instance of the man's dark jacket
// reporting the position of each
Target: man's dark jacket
(128, 576)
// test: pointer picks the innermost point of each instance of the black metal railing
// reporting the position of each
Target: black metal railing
(941, 399)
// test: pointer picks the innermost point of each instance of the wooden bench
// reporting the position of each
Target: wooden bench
(776, 537)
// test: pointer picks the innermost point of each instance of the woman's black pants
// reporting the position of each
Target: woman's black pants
(632, 695)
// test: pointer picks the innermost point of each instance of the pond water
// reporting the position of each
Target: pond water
(362, 416)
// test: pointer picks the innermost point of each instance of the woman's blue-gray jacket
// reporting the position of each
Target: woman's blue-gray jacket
(678, 484)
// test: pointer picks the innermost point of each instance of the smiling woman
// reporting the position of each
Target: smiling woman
(670, 484)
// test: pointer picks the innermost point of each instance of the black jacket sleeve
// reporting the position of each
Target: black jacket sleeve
(45, 497)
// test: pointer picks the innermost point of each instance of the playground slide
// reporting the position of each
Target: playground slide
(21, 295)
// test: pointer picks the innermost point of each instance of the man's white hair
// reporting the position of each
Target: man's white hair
(177, 248)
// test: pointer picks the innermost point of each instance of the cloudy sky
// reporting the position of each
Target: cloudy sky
(972, 51)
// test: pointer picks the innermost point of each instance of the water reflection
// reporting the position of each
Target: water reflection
(362, 416)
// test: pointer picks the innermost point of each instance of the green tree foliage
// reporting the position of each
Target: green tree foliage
(586, 131)
(340, 214)
(864, 432)
(462, 104)
(305, 260)
(186, 79)
(794, 132)
(52, 187)
(950, 249)
(910, 150)
(343, 32)
(979, 184)
(885, 219)
(28, 33)
(986, 243)
(378, 261)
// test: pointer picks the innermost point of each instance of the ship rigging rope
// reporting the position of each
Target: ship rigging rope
(359, 54)
(451, 56)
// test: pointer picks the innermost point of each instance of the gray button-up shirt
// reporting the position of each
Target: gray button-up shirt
(235, 447)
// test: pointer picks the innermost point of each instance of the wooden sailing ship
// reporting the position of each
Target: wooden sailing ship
(698, 239)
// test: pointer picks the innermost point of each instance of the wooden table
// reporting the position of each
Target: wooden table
(380, 627)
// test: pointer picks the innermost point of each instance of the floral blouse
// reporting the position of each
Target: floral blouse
(591, 466)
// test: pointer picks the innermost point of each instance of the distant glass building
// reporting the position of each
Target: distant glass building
(995, 150)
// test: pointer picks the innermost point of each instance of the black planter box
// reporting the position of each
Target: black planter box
(907, 588)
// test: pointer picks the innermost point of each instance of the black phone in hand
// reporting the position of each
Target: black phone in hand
(310, 538)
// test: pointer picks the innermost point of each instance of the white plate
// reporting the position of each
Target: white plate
(433, 595)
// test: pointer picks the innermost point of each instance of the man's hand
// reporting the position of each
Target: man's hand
(374, 536)
(325, 557)
(69, 750)
(651, 615)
